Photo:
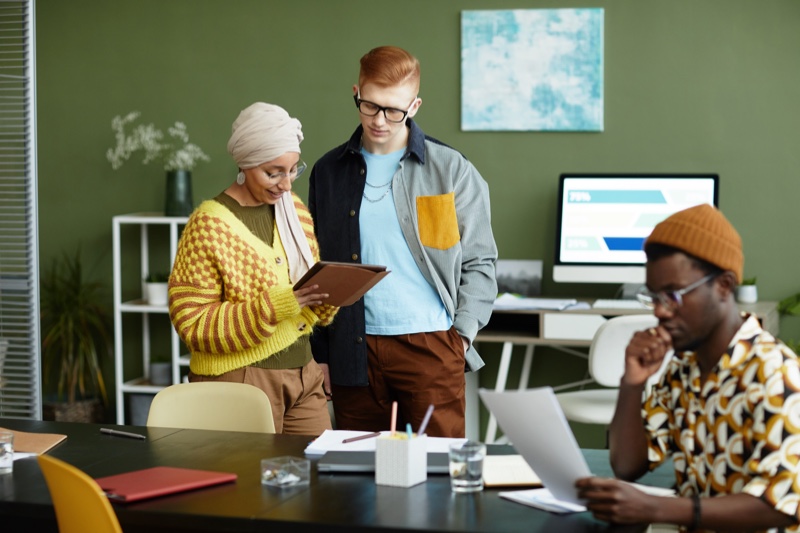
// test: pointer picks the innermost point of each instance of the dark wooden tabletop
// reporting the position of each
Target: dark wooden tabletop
(330, 503)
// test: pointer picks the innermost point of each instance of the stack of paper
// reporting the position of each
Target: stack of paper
(331, 440)
(510, 302)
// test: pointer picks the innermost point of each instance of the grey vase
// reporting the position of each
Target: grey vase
(179, 201)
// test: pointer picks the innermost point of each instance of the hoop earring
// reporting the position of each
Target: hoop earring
(240, 178)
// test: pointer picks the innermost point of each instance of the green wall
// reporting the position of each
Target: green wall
(690, 85)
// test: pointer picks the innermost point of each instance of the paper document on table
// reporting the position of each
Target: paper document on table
(508, 471)
(537, 428)
(331, 441)
(544, 499)
(510, 302)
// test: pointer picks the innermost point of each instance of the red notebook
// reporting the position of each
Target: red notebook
(159, 481)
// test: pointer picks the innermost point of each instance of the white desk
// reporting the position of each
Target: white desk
(564, 330)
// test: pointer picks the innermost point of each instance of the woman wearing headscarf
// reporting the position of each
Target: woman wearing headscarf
(231, 295)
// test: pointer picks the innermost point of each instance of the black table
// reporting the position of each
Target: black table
(330, 503)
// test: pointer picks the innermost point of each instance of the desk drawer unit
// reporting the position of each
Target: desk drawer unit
(570, 326)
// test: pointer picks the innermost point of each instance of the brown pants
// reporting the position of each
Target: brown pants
(415, 370)
(298, 402)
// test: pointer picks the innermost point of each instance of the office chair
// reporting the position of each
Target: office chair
(212, 405)
(80, 503)
(606, 366)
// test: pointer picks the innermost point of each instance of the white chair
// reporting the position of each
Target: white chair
(216, 405)
(606, 367)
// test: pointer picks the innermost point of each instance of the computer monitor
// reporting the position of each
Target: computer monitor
(604, 219)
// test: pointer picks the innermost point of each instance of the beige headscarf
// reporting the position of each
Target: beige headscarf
(261, 133)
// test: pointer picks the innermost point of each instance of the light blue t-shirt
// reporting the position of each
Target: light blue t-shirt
(402, 302)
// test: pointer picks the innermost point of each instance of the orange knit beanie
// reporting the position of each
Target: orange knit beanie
(704, 232)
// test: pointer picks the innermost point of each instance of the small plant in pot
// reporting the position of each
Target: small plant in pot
(747, 291)
(76, 341)
(155, 288)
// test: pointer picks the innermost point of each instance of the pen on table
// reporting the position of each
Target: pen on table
(362, 437)
(425, 420)
(118, 433)
(394, 417)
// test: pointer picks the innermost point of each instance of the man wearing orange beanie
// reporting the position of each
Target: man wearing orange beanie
(727, 408)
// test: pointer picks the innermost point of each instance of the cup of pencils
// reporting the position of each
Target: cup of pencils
(401, 458)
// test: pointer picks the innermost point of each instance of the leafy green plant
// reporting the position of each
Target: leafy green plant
(76, 330)
(790, 305)
(157, 277)
(749, 281)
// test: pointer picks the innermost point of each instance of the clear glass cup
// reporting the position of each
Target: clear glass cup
(6, 452)
(466, 466)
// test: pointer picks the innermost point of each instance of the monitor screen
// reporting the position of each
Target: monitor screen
(604, 219)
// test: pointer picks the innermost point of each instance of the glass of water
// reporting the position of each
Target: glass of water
(466, 466)
(6, 452)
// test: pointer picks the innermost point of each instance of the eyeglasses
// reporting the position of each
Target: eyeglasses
(371, 109)
(671, 300)
(292, 175)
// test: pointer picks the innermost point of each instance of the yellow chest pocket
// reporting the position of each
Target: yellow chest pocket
(437, 221)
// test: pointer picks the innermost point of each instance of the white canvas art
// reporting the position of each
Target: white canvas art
(532, 70)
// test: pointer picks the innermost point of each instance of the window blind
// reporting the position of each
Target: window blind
(20, 375)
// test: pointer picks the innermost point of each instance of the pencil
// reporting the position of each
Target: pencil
(362, 437)
(394, 417)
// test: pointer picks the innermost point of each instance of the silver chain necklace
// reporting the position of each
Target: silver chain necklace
(379, 186)
(376, 200)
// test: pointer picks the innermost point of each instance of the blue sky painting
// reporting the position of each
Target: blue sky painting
(532, 70)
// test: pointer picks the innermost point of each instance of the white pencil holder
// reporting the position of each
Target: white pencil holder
(400, 461)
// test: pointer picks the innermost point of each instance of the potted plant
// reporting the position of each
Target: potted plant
(177, 155)
(155, 288)
(75, 340)
(747, 292)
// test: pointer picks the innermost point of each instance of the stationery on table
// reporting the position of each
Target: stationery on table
(345, 283)
(401, 458)
(547, 444)
(34, 443)
(159, 481)
(543, 438)
(508, 471)
(118, 433)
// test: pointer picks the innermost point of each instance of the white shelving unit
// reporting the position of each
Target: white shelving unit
(139, 306)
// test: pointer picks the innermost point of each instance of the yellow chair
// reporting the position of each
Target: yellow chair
(212, 405)
(80, 503)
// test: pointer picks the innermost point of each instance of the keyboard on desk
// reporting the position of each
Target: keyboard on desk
(617, 304)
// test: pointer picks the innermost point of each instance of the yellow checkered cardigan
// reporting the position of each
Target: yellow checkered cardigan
(230, 297)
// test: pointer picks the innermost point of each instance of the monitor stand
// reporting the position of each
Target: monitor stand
(628, 291)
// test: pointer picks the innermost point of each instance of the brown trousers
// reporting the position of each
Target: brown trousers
(415, 370)
(298, 402)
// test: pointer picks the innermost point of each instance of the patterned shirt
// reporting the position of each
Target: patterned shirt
(739, 432)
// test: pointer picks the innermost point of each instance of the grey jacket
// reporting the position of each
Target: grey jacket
(443, 208)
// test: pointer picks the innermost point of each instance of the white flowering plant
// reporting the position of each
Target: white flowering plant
(176, 153)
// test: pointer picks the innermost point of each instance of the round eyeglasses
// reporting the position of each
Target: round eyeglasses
(670, 300)
(370, 109)
(292, 175)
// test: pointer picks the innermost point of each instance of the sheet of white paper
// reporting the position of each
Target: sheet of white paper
(23, 455)
(542, 499)
(534, 423)
(510, 302)
(331, 440)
